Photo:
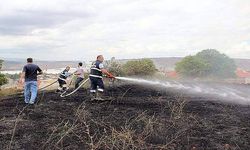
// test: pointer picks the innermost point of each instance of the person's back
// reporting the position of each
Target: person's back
(31, 72)
(80, 75)
(80, 72)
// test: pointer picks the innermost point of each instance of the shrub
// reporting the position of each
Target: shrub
(192, 66)
(3, 79)
(13, 76)
(139, 67)
(207, 63)
(220, 65)
(114, 67)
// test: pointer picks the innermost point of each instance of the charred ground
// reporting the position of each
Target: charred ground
(137, 117)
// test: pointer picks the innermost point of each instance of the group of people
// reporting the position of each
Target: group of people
(65, 74)
(31, 71)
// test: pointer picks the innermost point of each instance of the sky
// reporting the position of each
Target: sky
(82, 29)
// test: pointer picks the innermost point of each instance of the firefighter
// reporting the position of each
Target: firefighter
(62, 80)
(96, 72)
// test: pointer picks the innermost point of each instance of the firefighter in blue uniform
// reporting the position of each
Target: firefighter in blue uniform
(62, 80)
(96, 72)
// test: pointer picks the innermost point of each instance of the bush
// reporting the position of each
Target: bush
(220, 64)
(1, 63)
(3, 79)
(207, 63)
(139, 67)
(13, 76)
(192, 66)
(114, 67)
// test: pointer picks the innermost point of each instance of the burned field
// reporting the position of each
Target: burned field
(136, 117)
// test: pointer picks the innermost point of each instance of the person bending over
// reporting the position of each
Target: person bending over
(62, 80)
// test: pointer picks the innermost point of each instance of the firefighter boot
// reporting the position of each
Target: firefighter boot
(100, 96)
(92, 96)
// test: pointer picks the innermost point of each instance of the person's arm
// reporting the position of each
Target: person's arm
(40, 71)
(77, 73)
(104, 71)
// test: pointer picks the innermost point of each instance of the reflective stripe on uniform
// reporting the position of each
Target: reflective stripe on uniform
(63, 74)
(62, 79)
(92, 91)
(91, 75)
(101, 90)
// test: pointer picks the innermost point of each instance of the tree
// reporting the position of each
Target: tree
(139, 67)
(207, 63)
(1, 63)
(220, 64)
(3, 79)
(192, 66)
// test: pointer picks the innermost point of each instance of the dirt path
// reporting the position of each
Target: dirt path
(135, 118)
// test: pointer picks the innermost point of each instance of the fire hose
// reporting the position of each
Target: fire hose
(52, 84)
(62, 95)
(47, 86)
(84, 82)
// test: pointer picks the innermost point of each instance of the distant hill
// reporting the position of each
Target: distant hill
(243, 63)
(169, 63)
(166, 63)
(18, 65)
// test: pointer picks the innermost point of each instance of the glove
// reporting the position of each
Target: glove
(110, 75)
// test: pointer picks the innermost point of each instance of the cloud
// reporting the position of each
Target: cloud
(81, 29)
(25, 21)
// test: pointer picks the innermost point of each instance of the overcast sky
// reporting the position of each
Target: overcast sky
(82, 29)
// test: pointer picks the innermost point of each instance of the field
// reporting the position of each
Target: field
(136, 117)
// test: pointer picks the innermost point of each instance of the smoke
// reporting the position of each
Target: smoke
(226, 93)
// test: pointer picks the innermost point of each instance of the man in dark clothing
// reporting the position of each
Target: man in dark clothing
(29, 73)
(80, 75)
(96, 72)
(62, 80)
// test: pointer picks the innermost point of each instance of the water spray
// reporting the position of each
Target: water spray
(227, 93)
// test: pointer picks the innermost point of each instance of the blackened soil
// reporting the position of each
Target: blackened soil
(158, 120)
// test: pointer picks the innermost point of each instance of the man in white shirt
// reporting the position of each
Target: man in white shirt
(80, 75)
